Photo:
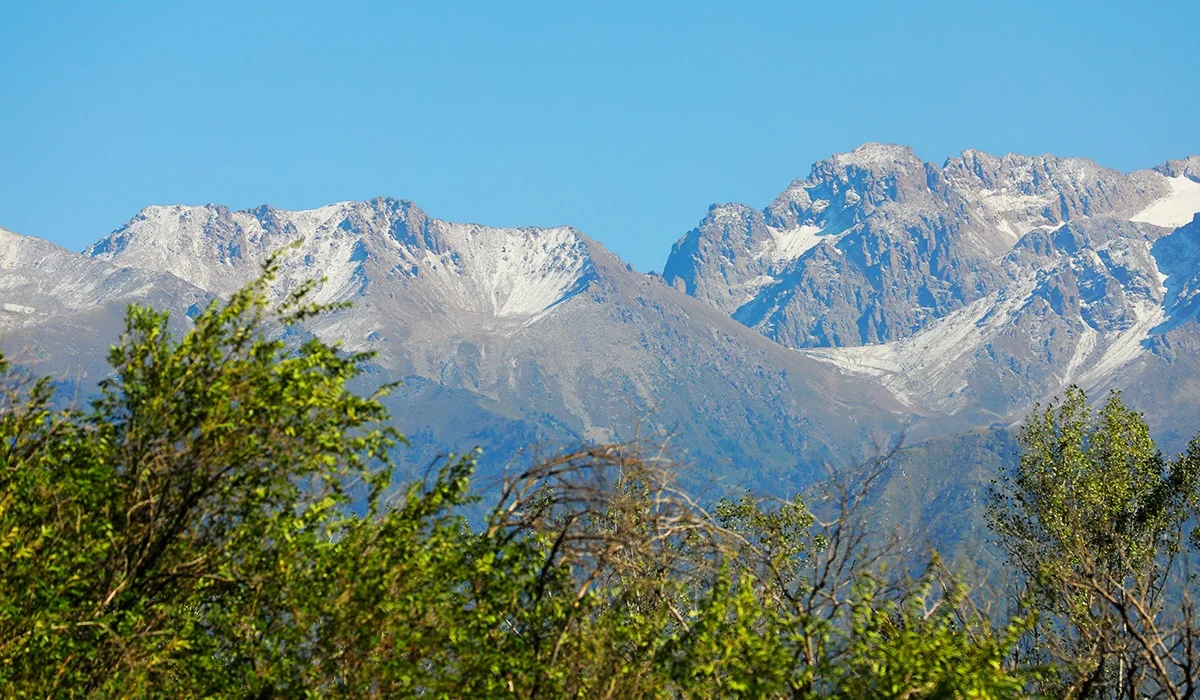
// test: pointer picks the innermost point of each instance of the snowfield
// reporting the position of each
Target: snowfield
(1175, 209)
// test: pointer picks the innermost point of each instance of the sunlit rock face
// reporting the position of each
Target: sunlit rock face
(974, 287)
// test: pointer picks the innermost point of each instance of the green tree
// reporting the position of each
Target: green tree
(1093, 520)
(188, 485)
(842, 623)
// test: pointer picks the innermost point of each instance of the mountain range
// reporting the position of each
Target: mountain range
(880, 294)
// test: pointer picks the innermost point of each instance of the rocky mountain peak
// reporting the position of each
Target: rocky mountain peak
(1027, 191)
(878, 157)
(864, 178)
(876, 245)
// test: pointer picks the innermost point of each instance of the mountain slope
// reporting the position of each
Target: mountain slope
(544, 325)
(879, 293)
(60, 311)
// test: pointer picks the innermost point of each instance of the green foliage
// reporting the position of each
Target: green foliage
(1092, 520)
(929, 643)
(1091, 490)
(141, 531)
(218, 523)
(853, 631)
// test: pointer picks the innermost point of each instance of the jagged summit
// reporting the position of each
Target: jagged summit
(975, 207)
(931, 277)
(878, 156)
(1184, 167)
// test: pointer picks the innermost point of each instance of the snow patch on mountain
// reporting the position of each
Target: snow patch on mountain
(917, 369)
(516, 273)
(19, 309)
(788, 244)
(1125, 346)
(1004, 201)
(1176, 208)
(932, 368)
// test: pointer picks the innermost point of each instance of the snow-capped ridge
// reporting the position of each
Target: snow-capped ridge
(1188, 167)
(42, 282)
(507, 273)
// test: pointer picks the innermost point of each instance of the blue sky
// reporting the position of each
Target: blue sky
(624, 119)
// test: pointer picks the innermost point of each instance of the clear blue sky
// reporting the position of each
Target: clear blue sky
(624, 119)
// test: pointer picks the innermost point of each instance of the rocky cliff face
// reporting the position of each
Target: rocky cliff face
(874, 245)
(969, 289)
